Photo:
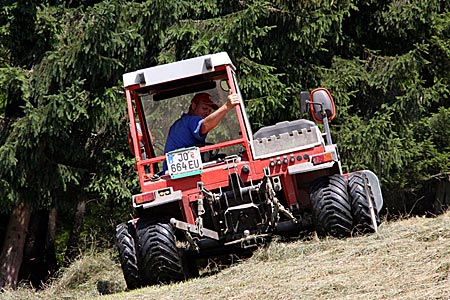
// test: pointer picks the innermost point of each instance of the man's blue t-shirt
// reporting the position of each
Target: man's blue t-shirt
(185, 132)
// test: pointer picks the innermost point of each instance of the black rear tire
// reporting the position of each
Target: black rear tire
(331, 206)
(159, 258)
(127, 256)
(362, 220)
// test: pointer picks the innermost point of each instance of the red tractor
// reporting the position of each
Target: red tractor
(241, 188)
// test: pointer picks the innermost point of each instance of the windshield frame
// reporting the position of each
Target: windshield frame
(148, 165)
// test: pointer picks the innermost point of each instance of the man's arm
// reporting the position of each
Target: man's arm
(214, 118)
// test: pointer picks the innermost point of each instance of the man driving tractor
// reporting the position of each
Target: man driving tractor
(192, 127)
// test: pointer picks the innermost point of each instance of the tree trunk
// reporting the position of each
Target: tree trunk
(52, 263)
(72, 250)
(12, 253)
(39, 260)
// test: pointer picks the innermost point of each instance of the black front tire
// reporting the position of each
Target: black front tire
(159, 258)
(127, 255)
(331, 206)
(362, 219)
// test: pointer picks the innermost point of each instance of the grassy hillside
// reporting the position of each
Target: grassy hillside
(407, 259)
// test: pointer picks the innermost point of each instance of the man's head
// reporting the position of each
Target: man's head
(202, 105)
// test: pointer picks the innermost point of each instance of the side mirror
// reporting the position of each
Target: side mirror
(321, 105)
(304, 99)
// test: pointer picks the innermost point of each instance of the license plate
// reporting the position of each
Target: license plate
(184, 162)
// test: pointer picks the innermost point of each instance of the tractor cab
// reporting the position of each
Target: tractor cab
(158, 96)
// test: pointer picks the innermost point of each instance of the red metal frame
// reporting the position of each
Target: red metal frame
(133, 98)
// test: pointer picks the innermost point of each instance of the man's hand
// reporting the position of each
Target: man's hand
(232, 100)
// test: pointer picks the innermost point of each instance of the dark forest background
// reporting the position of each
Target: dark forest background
(66, 173)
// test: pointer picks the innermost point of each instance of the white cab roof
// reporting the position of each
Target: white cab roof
(177, 70)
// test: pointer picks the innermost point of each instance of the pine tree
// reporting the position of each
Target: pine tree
(389, 82)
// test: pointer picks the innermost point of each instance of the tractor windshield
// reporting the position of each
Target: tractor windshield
(161, 110)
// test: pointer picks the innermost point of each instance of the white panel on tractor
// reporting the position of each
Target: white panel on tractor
(177, 70)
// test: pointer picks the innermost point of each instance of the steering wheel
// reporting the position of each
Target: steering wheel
(211, 154)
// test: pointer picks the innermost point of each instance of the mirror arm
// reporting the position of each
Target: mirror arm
(327, 129)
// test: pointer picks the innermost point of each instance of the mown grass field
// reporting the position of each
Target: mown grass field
(407, 259)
